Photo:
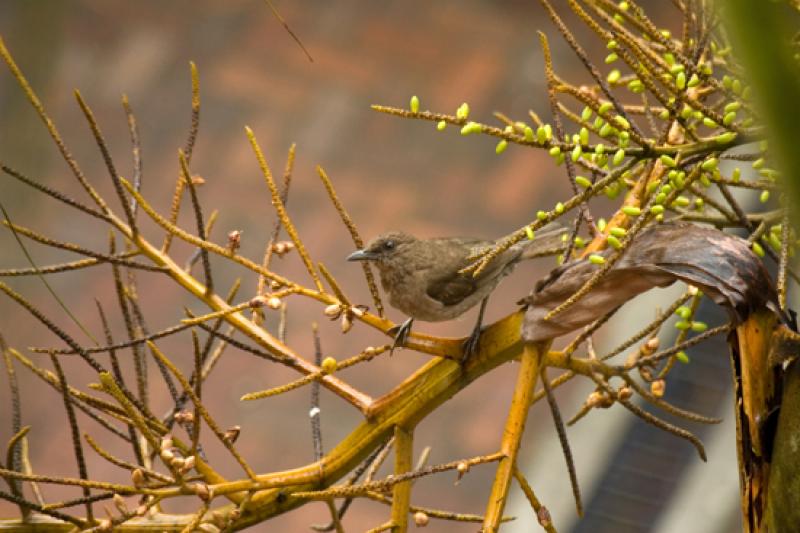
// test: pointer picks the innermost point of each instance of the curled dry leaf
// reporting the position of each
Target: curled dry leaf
(722, 266)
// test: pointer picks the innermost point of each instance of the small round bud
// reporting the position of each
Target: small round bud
(188, 463)
(203, 491)
(138, 477)
(329, 365)
(234, 240)
(274, 302)
(257, 301)
(624, 393)
(414, 104)
(119, 503)
(104, 525)
(184, 417)
(657, 388)
(282, 247)
(333, 311)
(198, 180)
(421, 519)
(543, 517)
(166, 442)
(651, 345)
(232, 434)
(358, 310)
(594, 399)
(347, 323)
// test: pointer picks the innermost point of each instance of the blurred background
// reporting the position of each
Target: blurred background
(390, 173)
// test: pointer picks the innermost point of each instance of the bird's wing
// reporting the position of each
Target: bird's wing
(451, 287)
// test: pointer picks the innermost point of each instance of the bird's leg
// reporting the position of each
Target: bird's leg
(471, 344)
(400, 333)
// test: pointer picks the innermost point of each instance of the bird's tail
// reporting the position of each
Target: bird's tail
(549, 240)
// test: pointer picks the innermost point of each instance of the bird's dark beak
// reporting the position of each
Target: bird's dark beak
(361, 255)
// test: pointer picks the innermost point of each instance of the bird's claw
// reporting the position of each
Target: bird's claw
(471, 345)
(400, 334)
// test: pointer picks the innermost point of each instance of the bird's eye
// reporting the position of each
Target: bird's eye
(389, 245)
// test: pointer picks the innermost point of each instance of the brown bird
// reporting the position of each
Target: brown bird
(423, 280)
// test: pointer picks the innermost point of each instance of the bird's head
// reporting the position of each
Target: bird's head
(384, 248)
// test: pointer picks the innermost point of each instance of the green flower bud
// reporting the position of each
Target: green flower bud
(583, 182)
(414, 104)
(681, 201)
(577, 151)
(682, 357)
(680, 81)
(725, 138)
(636, 86)
(541, 215)
(586, 114)
(613, 242)
(584, 136)
(618, 232)
(528, 133)
(501, 147)
(529, 233)
(710, 164)
(631, 211)
(610, 58)
(668, 161)
(441, 125)
(463, 111)
(604, 108)
(619, 156)
(757, 249)
(470, 127)
(596, 259)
